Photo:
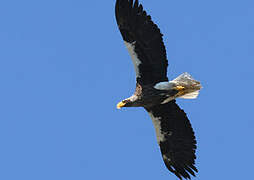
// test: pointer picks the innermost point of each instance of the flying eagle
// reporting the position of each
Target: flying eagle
(154, 92)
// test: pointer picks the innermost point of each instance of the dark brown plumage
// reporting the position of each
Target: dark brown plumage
(174, 133)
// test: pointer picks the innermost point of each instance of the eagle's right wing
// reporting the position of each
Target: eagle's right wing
(175, 137)
(144, 42)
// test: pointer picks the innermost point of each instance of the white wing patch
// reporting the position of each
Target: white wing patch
(157, 125)
(134, 57)
(167, 100)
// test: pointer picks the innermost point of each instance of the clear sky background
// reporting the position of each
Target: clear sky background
(64, 67)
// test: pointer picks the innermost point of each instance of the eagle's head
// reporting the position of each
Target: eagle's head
(129, 102)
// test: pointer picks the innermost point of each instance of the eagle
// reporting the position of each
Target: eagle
(154, 92)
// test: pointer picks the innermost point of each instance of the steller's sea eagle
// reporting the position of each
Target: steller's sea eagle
(154, 92)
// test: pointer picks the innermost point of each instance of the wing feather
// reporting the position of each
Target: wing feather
(175, 137)
(143, 40)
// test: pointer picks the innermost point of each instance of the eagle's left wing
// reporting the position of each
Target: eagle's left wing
(143, 40)
(175, 137)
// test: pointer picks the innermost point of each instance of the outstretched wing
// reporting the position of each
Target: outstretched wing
(175, 137)
(143, 40)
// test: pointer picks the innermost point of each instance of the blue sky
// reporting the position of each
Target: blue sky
(63, 68)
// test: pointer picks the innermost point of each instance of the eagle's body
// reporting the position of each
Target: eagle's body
(154, 92)
(163, 92)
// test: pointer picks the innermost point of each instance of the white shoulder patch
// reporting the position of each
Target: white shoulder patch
(134, 57)
(163, 85)
(157, 125)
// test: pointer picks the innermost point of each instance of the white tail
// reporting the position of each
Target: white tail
(191, 86)
(192, 95)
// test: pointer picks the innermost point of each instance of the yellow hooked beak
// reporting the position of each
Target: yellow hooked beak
(120, 105)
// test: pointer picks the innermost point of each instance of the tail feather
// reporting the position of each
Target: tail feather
(192, 95)
(190, 86)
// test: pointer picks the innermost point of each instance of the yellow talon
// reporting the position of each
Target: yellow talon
(179, 88)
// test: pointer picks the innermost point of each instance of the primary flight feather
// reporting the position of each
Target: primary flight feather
(154, 92)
